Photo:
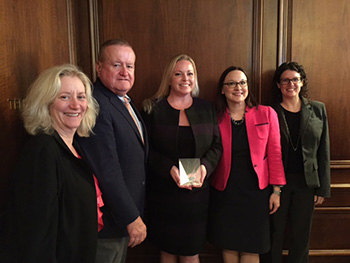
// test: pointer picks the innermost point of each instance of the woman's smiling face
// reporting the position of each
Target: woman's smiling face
(69, 107)
(182, 80)
(235, 87)
(290, 84)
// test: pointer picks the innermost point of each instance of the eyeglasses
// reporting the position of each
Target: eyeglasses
(233, 84)
(287, 81)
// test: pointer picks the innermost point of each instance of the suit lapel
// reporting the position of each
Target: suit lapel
(143, 126)
(119, 105)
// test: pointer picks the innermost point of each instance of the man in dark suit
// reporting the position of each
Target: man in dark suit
(117, 153)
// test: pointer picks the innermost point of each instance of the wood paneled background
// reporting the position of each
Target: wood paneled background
(255, 34)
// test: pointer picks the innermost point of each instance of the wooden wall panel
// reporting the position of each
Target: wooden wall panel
(82, 38)
(269, 50)
(320, 41)
(216, 34)
(34, 35)
(330, 226)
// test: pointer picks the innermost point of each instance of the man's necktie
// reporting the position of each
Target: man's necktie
(127, 105)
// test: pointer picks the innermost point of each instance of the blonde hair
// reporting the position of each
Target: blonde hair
(43, 92)
(164, 87)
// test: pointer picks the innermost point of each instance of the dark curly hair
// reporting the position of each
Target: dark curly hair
(294, 66)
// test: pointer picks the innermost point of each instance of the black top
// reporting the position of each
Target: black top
(295, 157)
(185, 142)
(52, 215)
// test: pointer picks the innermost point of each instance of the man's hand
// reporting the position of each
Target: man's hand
(137, 232)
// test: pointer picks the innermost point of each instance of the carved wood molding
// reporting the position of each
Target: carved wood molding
(285, 12)
(258, 16)
(71, 34)
(333, 209)
(340, 186)
(325, 252)
(94, 34)
(340, 164)
(281, 46)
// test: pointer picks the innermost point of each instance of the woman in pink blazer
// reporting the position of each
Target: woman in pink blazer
(241, 197)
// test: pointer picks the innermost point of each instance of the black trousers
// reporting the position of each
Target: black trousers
(296, 210)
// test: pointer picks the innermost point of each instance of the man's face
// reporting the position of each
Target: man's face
(117, 69)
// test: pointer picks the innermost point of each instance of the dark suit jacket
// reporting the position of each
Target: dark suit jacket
(118, 158)
(315, 144)
(53, 211)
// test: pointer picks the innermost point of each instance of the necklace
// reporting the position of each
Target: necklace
(295, 148)
(238, 123)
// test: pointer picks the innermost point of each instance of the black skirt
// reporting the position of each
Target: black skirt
(239, 215)
(177, 218)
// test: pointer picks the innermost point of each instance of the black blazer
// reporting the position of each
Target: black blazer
(118, 158)
(52, 215)
(314, 142)
(162, 125)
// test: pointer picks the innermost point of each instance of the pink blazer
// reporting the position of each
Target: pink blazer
(265, 148)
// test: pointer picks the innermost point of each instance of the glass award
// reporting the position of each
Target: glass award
(190, 173)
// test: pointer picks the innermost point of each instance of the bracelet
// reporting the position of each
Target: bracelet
(277, 192)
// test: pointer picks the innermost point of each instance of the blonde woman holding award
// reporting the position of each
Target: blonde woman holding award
(181, 127)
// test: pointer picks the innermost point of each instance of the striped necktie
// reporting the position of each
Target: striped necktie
(127, 105)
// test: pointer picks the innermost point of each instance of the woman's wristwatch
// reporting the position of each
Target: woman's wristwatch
(278, 192)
